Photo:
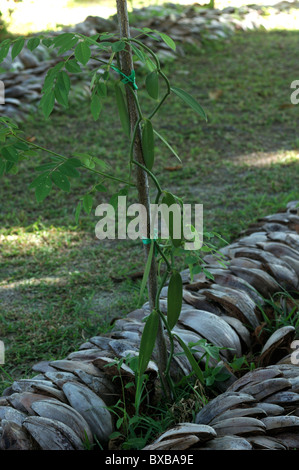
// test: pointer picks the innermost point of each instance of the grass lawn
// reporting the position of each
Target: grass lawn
(59, 285)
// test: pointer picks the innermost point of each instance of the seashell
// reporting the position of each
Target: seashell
(246, 263)
(277, 424)
(285, 399)
(111, 368)
(87, 345)
(191, 337)
(100, 341)
(271, 409)
(268, 387)
(286, 370)
(26, 385)
(281, 338)
(239, 426)
(59, 378)
(281, 218)
(258, 279)
(253, 239)
(226, 401)
(239, 328)
(294, 263)
(103, 387)
(289, 440)
(265, 443)
(120, 348)
(12, 415)
(227, 443)
(50, 392)
(127, 335)
(87, 355)
(254, 412)
(65, 414)
(279, 249)
(91, 407)
(51, 434)
(214, 329)
(69, 366)
(284, 275)
(23, 401)
(227, 279)
(253, 377)
(294, 381)
(200, 302)
(138, 314)
(236, 303)
(203, 432)
(14, 437)
(181, 443)
(43, 366)
(289, 238)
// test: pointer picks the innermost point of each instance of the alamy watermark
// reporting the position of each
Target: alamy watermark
(132, 222)
(295, 94)
(2, 92)
(2, 351)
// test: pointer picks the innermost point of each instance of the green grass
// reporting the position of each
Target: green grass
(59, 285)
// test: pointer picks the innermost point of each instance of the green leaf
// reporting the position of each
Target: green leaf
(148, 144)
(95, 106)
(10, 154)
(168, 145)
(72, 66)
(77, 212)
(33, 43)
(87, 203)
(62, 88)
(190, 101)
(2, 167)
(146, 270)
(147, 342)
(195, 367)
(140, 55)
(122, 109)
(74, 162)
(43, 188)
(61, 181)
(47, 42)
(65, 42)
(102, 89)
(82, 53)
(101, 188)
(4, 51)
(17, 47)
(174, 299)
(47, 103)
(69, 170)
(118, 46)
(39, 179)
(152, 84)
(170, 42)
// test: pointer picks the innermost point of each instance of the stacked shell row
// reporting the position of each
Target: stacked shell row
(64, 406)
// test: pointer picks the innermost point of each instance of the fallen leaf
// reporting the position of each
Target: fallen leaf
(215, 94)
(173, 168)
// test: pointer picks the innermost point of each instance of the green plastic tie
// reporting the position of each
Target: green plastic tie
(127, 79)
(148, 241)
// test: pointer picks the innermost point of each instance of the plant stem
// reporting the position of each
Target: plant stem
(142, 180)
(114, 178)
